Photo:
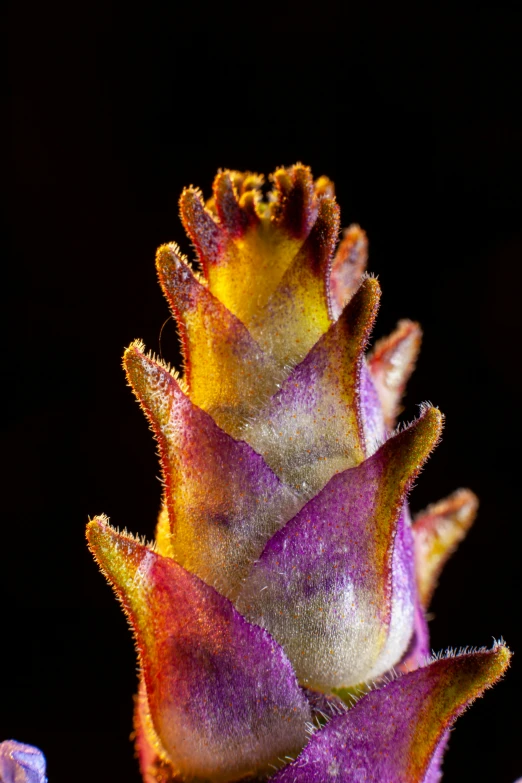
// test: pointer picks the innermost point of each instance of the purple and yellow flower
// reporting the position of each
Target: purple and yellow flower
(280, 614)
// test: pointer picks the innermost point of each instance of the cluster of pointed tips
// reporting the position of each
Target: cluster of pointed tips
(280, 613)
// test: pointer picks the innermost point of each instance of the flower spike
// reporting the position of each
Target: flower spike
(280, 613)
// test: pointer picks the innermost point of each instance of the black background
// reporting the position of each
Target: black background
(417, 118)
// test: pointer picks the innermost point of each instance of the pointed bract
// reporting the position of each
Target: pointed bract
(298, 312)
(227, 373)
(324, 186)
(232, 218)
(393, 734)
(245, 246)
(206, 234)
(391, 363)
(437, 532)
(219, 532)
(295, 208)
(348, 267)
(286, 500)
(223, 697)
(318, 412)
(341, 571)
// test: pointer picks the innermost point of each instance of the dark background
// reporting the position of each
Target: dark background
(417, 118)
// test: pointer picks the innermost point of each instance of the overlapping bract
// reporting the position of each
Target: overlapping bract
(397, 733)
(286, 573)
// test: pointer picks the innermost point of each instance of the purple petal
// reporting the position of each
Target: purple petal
(21, 763)
(335, 586)
(397, 734)
(223, 501)
(222, 696)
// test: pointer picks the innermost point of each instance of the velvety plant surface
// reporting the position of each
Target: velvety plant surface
(280, 614)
